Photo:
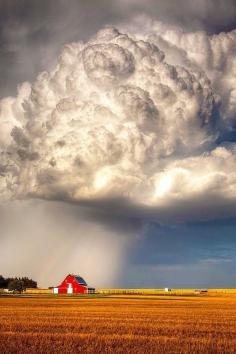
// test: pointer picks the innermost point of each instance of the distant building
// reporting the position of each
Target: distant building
(73, 284)
(6, 291)
(167, 290)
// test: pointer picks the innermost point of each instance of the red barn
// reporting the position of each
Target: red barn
(73, 284)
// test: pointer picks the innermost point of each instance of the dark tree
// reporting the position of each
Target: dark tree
(16, 285)
(3, 282)
(29, 283)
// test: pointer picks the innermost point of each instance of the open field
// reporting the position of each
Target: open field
(118, 325)
(175, 292)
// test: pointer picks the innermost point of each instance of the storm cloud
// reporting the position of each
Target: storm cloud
(118, 120)
(131, 124)
(32, 32)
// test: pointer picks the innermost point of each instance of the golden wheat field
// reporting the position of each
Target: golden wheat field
(118, 325)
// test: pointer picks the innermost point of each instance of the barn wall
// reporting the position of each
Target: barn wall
(62, 290)
(77, 289)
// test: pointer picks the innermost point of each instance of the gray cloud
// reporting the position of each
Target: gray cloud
(47, 240)
(32, 32)
(117, 124)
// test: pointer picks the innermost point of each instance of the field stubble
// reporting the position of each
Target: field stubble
(118, 325)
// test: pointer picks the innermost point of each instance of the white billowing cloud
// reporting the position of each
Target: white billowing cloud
(125, 117)
(214, 55)
(211, 174)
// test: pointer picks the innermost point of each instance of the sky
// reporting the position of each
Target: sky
(117, 142)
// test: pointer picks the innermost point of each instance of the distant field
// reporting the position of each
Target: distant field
(174, 292)
(118, 325)
(146, 291)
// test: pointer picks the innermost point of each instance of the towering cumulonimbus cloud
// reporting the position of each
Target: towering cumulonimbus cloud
(130, 118)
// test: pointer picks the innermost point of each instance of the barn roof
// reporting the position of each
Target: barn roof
(79, 279)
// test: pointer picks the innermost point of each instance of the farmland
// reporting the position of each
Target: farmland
(128, 324)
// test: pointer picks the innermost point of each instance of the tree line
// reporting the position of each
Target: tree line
(17, 284)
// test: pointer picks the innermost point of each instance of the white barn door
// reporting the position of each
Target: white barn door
(69, 289)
